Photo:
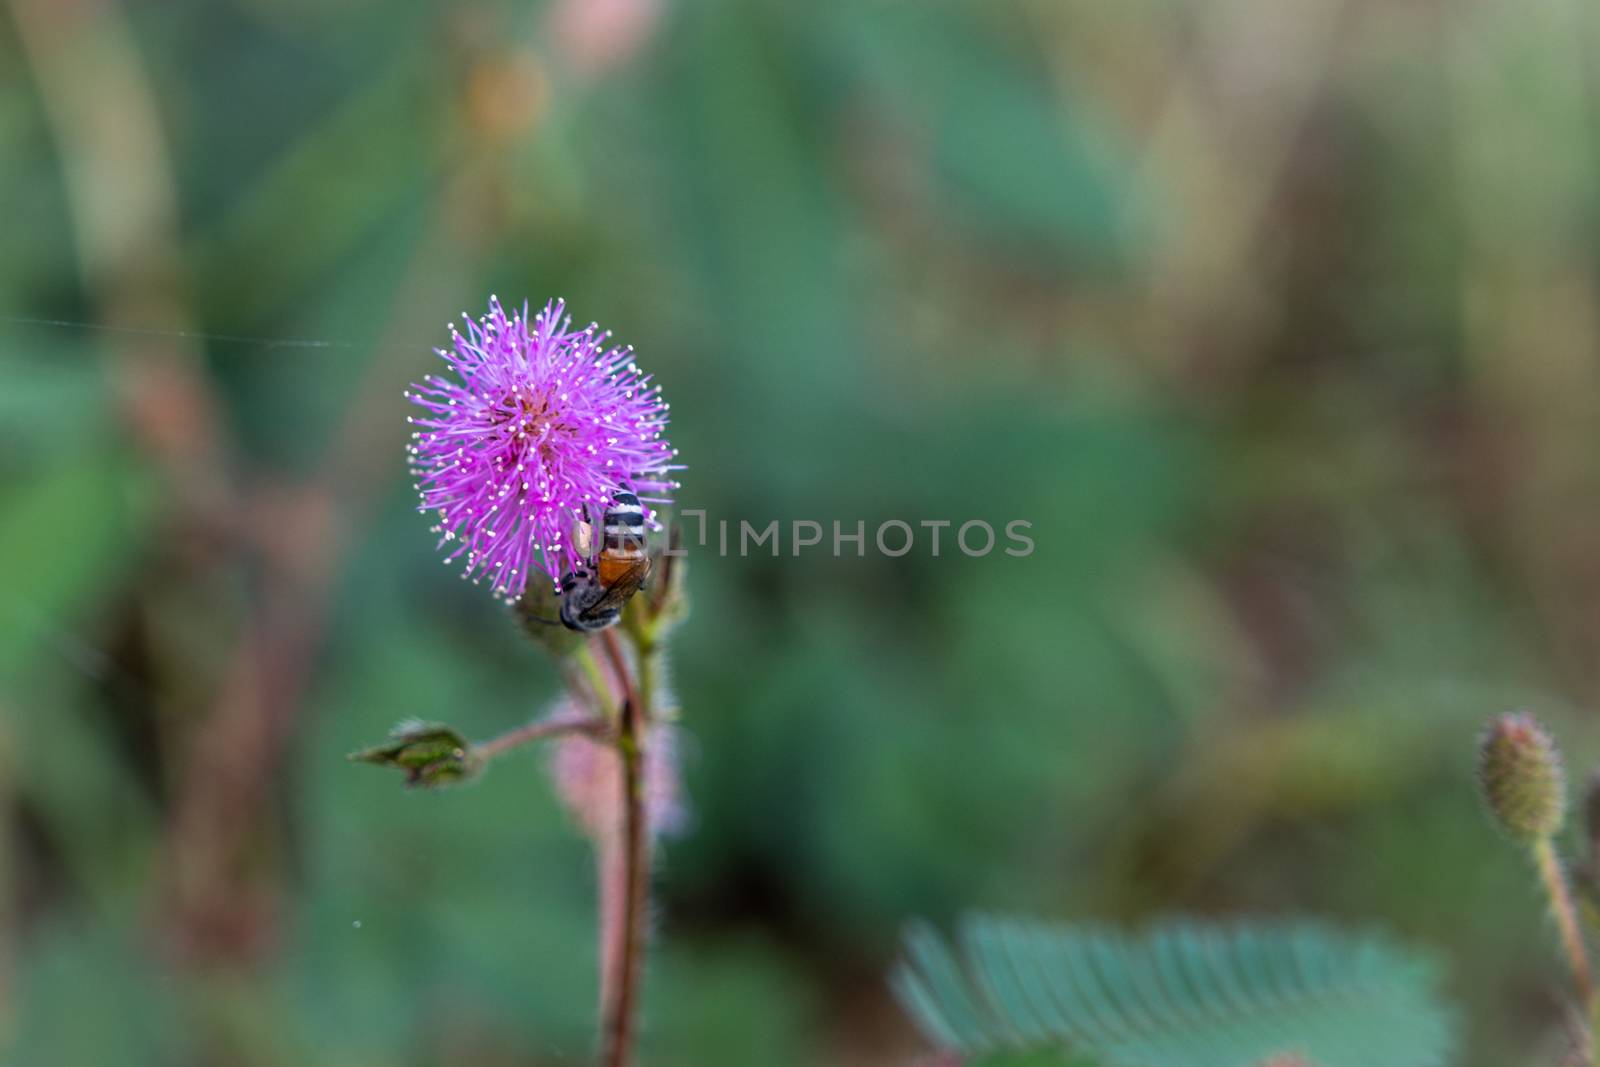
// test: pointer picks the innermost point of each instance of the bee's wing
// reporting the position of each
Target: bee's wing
(618, 592)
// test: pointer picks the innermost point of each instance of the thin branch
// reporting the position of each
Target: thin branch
(540, 730)
(1566, 916)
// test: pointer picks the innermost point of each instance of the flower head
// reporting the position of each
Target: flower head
(539, 427)
(1519, 769)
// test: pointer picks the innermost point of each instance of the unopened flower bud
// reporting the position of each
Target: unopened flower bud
(1519, 769)
(430, 754)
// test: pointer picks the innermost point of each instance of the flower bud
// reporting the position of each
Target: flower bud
(1519, 769)
(430, 754)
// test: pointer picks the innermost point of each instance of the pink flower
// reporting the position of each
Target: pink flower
(539, 423)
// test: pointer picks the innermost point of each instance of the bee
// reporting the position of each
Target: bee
(593, 596)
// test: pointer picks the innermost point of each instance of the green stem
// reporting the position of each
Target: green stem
(628, 947)
(1565, 911)
(649, 674)
(597, 681)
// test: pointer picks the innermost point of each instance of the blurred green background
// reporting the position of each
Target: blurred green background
(1278, 319)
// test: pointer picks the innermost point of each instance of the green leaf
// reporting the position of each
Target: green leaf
(1183, 994)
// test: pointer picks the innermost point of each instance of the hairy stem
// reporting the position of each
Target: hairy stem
(1565, 911)
(597, 682)
(636, 860)
(619, 666)
(540, 729)
(627, 962)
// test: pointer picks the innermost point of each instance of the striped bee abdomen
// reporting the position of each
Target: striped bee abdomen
(624, 526)
(622, 551)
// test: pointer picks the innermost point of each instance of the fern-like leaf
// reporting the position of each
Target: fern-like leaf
(1183, 994)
